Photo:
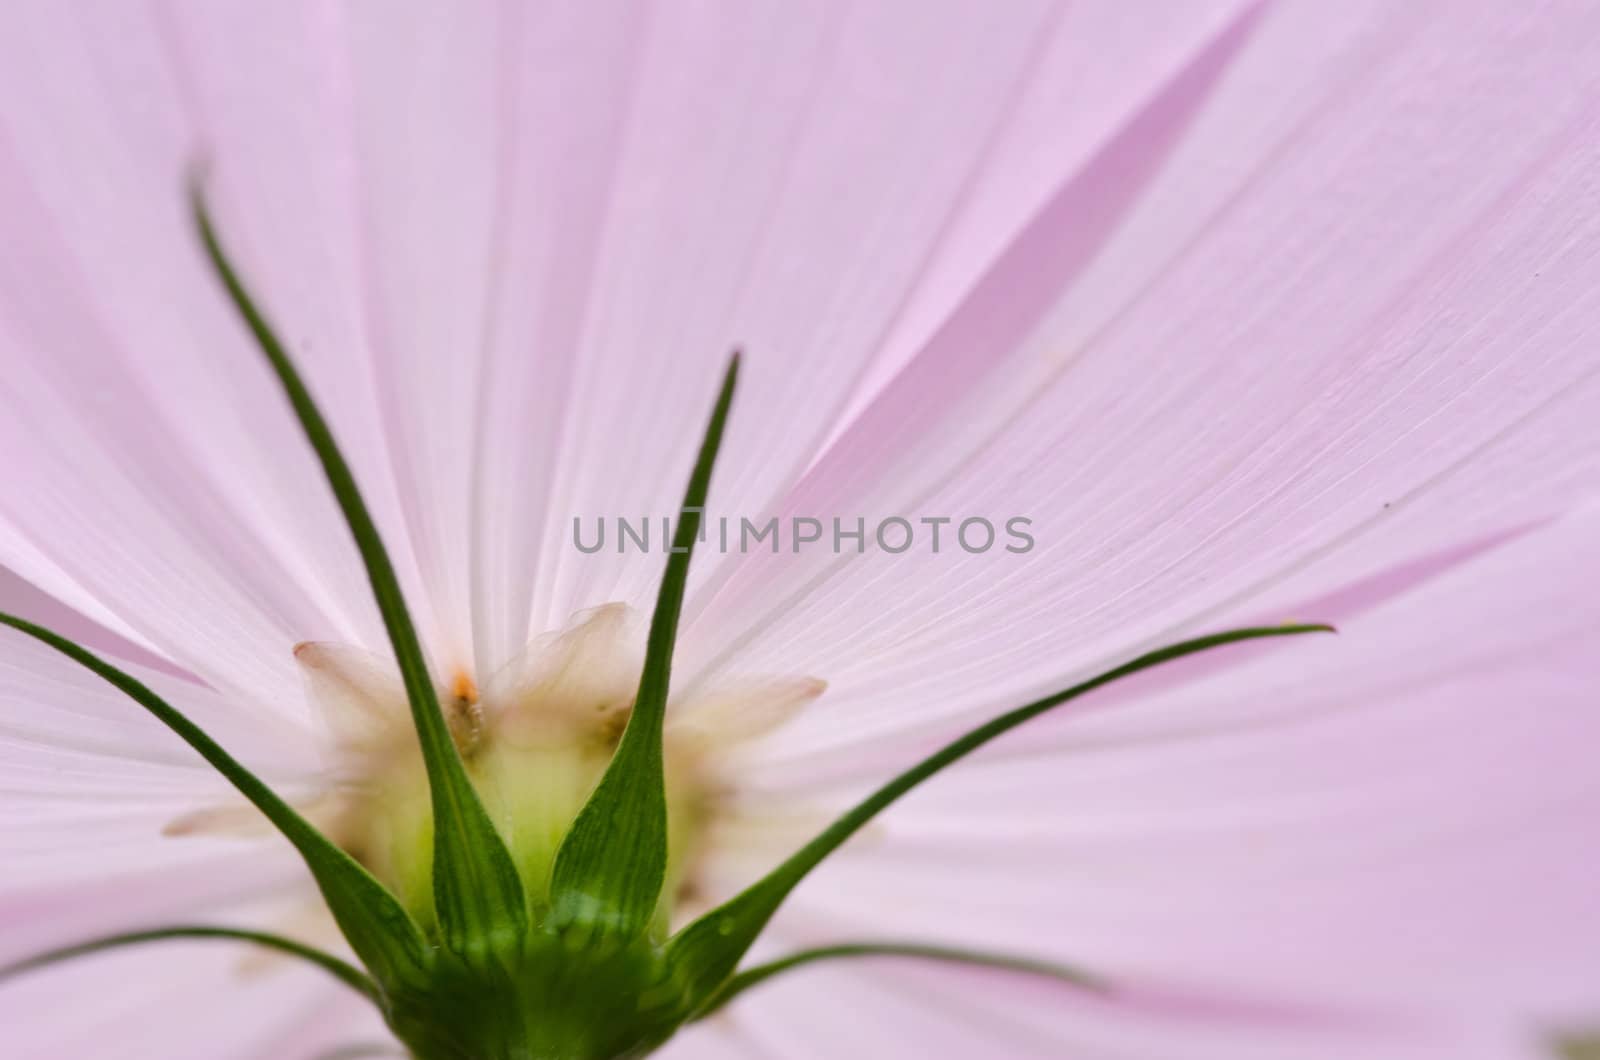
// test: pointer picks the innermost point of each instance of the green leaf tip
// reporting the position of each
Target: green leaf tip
(477, 894)
(610, 869)
(370, 917)
(340, 969)
(752, 977)
(705, 953)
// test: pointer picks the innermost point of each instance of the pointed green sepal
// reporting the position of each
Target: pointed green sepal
(609, 871)
(341, 970)
(381, 932)
(759, 974)
(705, 953)
(477, 894)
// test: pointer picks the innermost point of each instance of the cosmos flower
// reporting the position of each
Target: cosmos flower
(1249, 314)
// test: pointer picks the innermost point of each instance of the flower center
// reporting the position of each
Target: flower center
(535, 740)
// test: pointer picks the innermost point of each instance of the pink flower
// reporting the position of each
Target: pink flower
(1254, 312)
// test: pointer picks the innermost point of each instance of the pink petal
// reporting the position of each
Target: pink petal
(1247, 374)
(177, 1001)
(151, 467)
(91, 779)
(484, 258)
(756, 152)
(514, 253)
(49, 701)
(1382, 822)
(1099, 66)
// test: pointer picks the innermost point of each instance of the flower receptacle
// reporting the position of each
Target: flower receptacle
(547, 1001)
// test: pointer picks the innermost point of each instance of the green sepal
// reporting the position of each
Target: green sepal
(378, 928)
(760, 973)
(705, 953)
(611, 865)
(340, 969)
(477, 894)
